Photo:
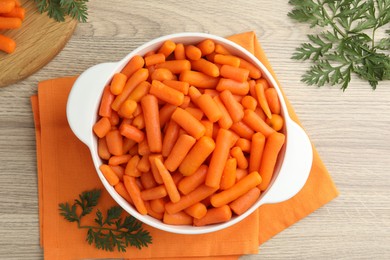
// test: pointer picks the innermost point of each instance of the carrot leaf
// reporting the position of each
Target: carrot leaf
(60, 9)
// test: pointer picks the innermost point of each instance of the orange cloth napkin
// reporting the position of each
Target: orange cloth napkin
(65, 169)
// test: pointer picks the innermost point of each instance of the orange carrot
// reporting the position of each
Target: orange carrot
(198, 79)
(143, 147)
(133, 150)
(153, 167)
(189, 123)
(170, 138)
(106, 101)
(7, 44)
(6, 6)
(234, 108)
(273, 100)
(135, 193)
(157, 192)
(238, 154)
(152, 122)
(114, 118)
(175, 66)
(179, 52)
(154, 59)
(209, 127)
(209, 107)
(151, 212)
(254, 72)
(206, 67)
(147, 179)
(225, 121)
(137, 62)
(170, 186)
(10, 23)
(259, 88)
(242, 130)
(190, 183)
(244, 144)
(260, 113)
(229, 174)
(179, 152)
(220, 49)
(18, 12)
(119, 159)
(212, 92)
(178, 85)
(119, 171)
(225, 140)
(141, 90)
(158, 205)
(237, 88)
(103, 149)
(241, 173)
(197, 210)
(195, 196)
(234, 73)
(109, 174)
(161, 74)
(214, 216)
(227, 60)
(197, 155)
(165, 113)
(132, 132)
(206, 47)
(135, 79)
(243, 203)
(263, 82)
(272, 148)
(192, 52)
(144, 164)
(167, 48)
(121, 189)
(167, 94)
(131, 167)
(255, 122)
(118, 83)
(128, 144)
(179, 218)
(276, 122)
(194, 94)
(139, 121)
(256, 152)
(249, 102)
(127, 108)
(102, 127)
(114, 142)
(240, 188)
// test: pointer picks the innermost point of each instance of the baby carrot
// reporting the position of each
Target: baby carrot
(170, 186)
(132, 132)
(234, 108)
(206, 47)
(244, 144)
(128, 144)
(254, 72)
(214, 216)
(143, 147)
(208, 105)
(139, 121)
(133, 81)
(167, 48)
(121, 189)
(197, 210)
(227, 60)
(179, 152)
(131, 167)
(272, 148)
(237, 88)
(189, 123)
(170, 138)
(255, 122)
(153, 167)
(7, 44)
(127, 108)
(249, 102)
(154, 59)
(119, 171)
(225, 121)
(103, 149)
(135, 194)
(6, 6)
(198, 79)
(190, 183)
(206, 67)
(209, 127)
(157, 192)
(273, 100)
(234, 73)
(119, 159)
(167, 94)
(212, 92)
(238, 154)
(135, 63)
(10, 23)
(106, 101)
(195, 196)
(194, 94)
(147, 180)
(175, 66)
(144, 164)
(114, 142)
(241, 173)
(102, 127)
(165, 113)
(242, 130)
(243, 203)
(151, 212)
(178, 85)
(256, 152)
(240, 188)
(197, 155)
(149, 105)
(224, 141)
(158, 205)
(109, 174)
(229, 174)
(192, 52)
(179, 52)
(259, 88)
(179, 218)
(161, 74)
(118, 83)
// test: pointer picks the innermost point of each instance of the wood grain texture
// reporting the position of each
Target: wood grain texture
(38, 41)
(350, 129)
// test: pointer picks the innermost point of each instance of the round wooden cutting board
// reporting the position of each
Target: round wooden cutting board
(38, 41)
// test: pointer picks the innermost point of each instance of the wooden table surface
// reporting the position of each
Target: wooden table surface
(350, 129)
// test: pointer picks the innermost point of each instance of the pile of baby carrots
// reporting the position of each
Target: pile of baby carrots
(11, 16)
(189, 134)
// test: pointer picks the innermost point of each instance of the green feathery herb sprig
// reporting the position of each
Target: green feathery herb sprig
(59, 9)
(347, 43)
(110, 230)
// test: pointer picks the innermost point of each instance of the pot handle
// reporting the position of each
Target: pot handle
(295, 168)
(83, 100)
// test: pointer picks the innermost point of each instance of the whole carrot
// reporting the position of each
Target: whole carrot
(214, 216)
(271, 151)
(149, 105)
